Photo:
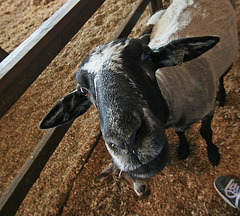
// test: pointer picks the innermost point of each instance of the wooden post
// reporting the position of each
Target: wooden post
(132, 19)
(155, 5)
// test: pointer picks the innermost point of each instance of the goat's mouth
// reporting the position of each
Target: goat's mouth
(152, 167)
(132, 165)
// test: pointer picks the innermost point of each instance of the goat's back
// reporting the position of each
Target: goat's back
(195, 82)
(189, 18)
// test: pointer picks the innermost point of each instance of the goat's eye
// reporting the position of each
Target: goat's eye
(112, 145)
(83, 91)
(145, 55)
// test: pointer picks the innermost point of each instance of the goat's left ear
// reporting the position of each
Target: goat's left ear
(65, 110)
(182, 50)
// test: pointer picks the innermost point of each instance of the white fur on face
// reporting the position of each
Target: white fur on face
(103, 54)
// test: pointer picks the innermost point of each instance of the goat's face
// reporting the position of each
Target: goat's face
(119, 79)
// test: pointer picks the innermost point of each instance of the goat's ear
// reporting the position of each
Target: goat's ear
(182, 50)
(65, 110)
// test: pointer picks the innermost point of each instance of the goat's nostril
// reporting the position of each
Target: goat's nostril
(131, 148)
(134, 134)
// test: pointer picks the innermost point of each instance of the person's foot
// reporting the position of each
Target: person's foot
(229, 190)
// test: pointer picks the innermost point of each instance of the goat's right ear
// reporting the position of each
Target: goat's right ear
(181, 50)
(65, 110)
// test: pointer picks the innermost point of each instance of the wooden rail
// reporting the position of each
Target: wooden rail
(20, 68)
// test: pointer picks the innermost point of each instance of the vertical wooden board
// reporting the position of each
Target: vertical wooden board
(155, 5)
(132, 19)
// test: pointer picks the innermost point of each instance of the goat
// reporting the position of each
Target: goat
(141, 89)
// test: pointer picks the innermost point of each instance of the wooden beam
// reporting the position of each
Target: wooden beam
(132, 19)
(155, 5)
(3, 54)
(21, 67)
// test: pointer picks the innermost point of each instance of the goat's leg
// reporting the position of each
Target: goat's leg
(107, 172)
(221, 94)
(183, 149)
(140, 186)
(206, 132)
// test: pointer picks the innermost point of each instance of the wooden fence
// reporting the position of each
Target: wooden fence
(19, 69)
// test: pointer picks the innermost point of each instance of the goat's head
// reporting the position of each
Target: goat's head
(119, 79)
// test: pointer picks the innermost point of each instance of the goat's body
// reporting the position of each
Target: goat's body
(136, 103)
(184, 87)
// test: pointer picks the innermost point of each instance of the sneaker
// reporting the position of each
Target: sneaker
(229, 190)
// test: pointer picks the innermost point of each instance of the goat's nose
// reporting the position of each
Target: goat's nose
(122, 137)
